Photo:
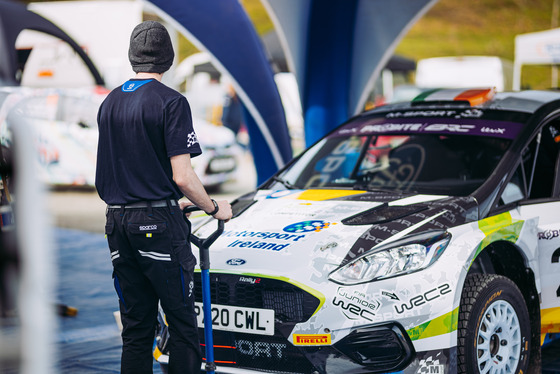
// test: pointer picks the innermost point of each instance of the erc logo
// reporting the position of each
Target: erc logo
(308, 226)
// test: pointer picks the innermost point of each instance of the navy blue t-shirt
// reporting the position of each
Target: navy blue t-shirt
(141, 125)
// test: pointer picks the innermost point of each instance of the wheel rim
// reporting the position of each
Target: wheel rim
(499, 339)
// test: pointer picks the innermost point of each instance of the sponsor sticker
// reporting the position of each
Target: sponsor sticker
(430, 366)
(275, 241)
(250, 280)
(236, 262)
(308, 226)
(147, 227)
(441, 123)
(274, 351)
(355, 304)
(423, 298)
(272, 241)
(312, 339)
(258, 245)
(549, 234)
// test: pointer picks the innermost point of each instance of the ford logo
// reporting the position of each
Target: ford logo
(236, 261)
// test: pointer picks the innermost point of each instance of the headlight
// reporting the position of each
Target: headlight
(394, 259)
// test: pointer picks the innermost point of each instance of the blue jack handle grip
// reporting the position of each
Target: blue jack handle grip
(204, 243)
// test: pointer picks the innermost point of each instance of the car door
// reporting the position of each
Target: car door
(536, 187)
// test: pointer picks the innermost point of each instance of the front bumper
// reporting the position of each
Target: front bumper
(373, 349)
(377, 348)
(382, 347)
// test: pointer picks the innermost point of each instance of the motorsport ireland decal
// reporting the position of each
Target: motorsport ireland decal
(272, 241)
(275, 241)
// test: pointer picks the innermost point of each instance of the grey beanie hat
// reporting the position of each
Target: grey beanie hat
(150, 49)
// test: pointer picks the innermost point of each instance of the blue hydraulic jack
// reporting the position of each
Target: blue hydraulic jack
(204, 246)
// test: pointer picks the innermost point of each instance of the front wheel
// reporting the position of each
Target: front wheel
(494, 333)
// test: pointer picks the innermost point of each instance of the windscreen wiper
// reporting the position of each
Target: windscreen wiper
(285, 183)
(367, 186)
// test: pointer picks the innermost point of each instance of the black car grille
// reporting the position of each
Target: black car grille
(272, 354)
(291, 304)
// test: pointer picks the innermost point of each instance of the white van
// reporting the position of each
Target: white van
(465, 71)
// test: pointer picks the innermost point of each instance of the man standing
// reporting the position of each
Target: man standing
(146, 141)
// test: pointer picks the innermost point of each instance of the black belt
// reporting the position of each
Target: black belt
(146, 204)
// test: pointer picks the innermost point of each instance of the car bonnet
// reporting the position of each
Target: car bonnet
(281, 231)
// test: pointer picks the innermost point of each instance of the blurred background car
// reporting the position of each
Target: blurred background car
(64, 130)
(65, 136)
(220, 156)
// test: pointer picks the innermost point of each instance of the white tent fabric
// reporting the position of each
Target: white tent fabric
(536, 48)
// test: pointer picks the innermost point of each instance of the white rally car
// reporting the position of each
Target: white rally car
(415, 238)
(64, 123)
(220, 156)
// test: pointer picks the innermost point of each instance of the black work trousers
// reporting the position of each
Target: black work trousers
(153, 262)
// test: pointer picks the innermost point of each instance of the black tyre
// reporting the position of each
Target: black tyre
(494, 331)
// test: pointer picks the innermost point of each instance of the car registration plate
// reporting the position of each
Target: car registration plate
(239, 319)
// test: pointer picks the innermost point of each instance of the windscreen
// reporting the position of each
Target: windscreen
(436, 157)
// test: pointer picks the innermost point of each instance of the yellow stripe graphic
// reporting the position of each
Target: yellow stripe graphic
(550, 320)
(443, 324)
(500, 227)
(319, 195)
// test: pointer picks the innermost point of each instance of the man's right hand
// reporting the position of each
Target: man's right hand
(190, 185)
(224, 211)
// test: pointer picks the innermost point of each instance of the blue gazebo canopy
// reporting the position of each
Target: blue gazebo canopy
(336, 48)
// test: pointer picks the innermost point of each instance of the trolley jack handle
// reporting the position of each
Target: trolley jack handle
(203, 246)
(204, 243)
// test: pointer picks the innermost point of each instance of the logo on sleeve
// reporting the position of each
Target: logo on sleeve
(191, 139)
